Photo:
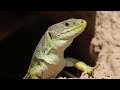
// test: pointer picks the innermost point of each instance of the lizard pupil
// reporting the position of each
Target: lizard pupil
(67, 24)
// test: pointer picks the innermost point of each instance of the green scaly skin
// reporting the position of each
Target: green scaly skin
(48, 58)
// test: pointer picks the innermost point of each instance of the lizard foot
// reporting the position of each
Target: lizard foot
(86, 68)
(89, 70)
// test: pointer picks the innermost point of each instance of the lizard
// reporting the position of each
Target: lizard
(48, 58)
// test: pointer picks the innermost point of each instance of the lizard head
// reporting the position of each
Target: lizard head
(67, 29)
(61, 35)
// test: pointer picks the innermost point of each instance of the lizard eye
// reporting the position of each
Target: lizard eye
(67, 24)
(50, 35)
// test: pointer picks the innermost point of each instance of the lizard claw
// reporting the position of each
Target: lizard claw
(89, 70)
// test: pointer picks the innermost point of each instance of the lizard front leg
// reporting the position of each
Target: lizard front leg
(79, 65)
(36, 72)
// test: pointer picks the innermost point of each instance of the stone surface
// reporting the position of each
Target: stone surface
(105, 46)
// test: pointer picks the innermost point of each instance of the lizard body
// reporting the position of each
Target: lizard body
(48, 58)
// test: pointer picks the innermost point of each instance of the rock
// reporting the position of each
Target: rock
(105, 46)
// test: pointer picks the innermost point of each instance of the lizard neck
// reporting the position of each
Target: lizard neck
(57, 47)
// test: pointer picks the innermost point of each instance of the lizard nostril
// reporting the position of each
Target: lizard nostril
(81, 21)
